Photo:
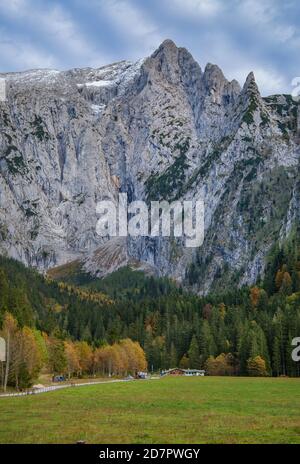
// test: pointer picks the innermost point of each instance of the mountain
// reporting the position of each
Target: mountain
(161, 128)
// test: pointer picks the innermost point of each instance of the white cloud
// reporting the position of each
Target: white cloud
(13, 7)
(196, 8)
(284, 33)
(132, 23)
(238, 35)
(268, 80)
(23, 55)
(265, 13)
(257, 11)
(57, 26)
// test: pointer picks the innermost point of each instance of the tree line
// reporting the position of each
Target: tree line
(30, 352)
(239, 331)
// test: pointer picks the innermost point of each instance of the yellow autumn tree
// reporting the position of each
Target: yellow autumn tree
(85, 357)
(24, 358)
(221, 365)
(135, 355)
(9, 333)
(99, 361)
(31, 354)
(120, 358)
(286, 284)
(278, 279)
(256, 367)
(73, 364)
(254, 296)
(106, 358)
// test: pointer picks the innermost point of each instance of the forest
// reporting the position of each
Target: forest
(128, 321)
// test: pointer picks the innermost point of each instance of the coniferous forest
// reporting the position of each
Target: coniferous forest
(87, 325)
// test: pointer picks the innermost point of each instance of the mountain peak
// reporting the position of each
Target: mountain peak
(167, 48)
(210, 67)
(164, 61)
(250, 77)
(250, 85)
(168, 44)
(213, 74)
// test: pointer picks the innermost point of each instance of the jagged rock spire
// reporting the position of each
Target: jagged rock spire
(167, 44)
(250, 85)
(165, 61)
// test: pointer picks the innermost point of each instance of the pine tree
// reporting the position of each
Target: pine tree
(4, 291)
(276, 357)
(57, 356)
(184, 362)
(173, 356)
(193, 354)
(207, 345)
(286, 285)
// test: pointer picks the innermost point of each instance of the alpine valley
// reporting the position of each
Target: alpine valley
(158, 129)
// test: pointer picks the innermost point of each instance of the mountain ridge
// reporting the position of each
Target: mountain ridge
(158, 128)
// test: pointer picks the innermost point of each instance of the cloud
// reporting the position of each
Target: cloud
(194, 8)
(268, 15)
(27, 56)
(238, 35)
(268, 80)
(257, 11)
(13, 7)
(132, 23)
(284, 33)
(56, 26)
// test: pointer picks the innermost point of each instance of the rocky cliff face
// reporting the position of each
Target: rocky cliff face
(158, 129)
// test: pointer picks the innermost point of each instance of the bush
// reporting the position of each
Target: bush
(256, 367)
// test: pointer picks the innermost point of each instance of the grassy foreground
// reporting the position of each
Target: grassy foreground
(170, 410)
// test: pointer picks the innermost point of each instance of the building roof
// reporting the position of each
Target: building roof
(183, 370)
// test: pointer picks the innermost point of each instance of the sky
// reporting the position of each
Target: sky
(239, 36)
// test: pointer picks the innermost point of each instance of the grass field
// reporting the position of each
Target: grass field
(170, 410)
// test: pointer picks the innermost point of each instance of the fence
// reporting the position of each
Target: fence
(37, 391)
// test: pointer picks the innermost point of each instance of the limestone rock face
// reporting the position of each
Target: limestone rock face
(158, 129)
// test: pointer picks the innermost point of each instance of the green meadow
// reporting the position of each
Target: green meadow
(169, 410)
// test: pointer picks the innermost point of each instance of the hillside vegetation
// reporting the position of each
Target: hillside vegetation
(246, 331)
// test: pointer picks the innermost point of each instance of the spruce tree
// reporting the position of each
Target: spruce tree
(193, 353)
